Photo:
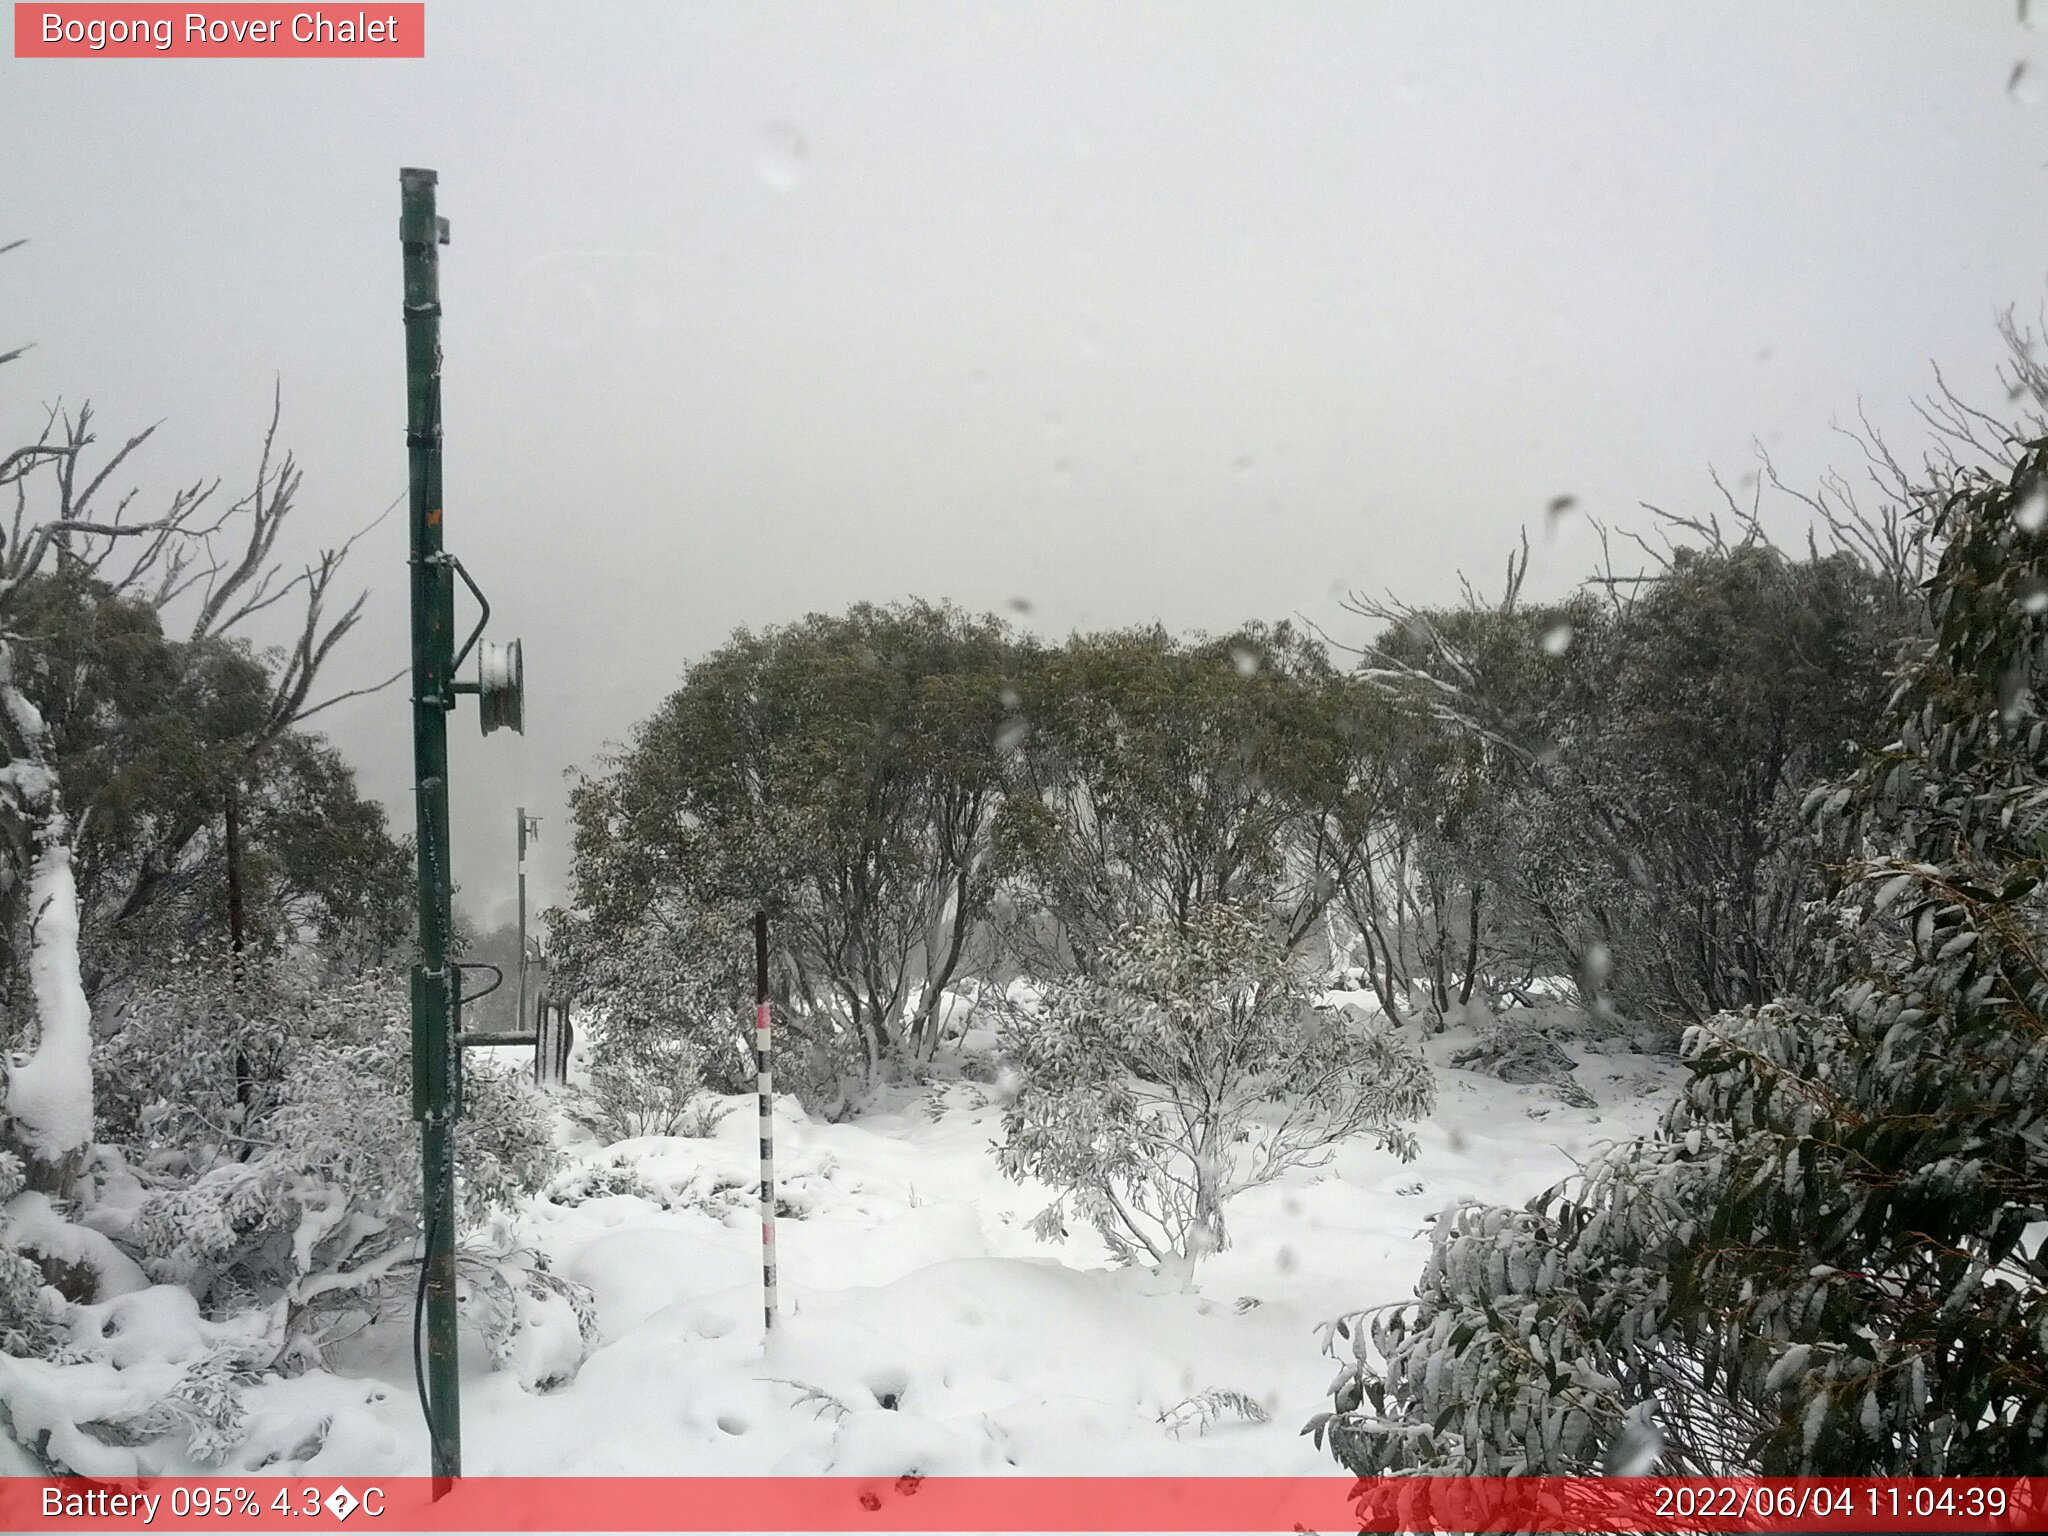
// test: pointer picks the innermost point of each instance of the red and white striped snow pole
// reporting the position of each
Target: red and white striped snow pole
(764, 1080)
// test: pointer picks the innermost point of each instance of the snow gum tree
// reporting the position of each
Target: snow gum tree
(1434, 918)
(1829, 1259)
(148, 743)
(46, 1106)
(1186, 1068)
(199, 804)
(843, 774)
(1156, 776)
(312, 864)
(1609, 788)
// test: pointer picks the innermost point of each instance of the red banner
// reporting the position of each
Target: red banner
(374, 31)
(1327, 1505)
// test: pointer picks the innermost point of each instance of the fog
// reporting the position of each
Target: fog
(1088, 315)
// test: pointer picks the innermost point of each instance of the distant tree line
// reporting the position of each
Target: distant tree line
(1600, 793)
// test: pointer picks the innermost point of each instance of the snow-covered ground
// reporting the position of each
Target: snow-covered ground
(924, 1327)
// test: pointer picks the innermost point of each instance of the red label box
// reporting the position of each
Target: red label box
(243, 31)
(874, 1506)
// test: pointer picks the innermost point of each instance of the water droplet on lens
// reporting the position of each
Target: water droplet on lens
(780, 157)
(2012, 691)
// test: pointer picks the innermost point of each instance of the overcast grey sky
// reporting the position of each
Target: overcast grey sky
(1194, 312)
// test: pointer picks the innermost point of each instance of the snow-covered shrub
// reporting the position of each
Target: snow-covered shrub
(703, 1117)
(1191, 1067)
(295, 1184)
(27, 1318)
(643, 1082)
(717, 1195)
(259, 1194)
(204, 1410)
(195, 1058)
(1520, 1048)
(1828, 1260)
(665, 1001)
(535, 1323)
(618, 1176)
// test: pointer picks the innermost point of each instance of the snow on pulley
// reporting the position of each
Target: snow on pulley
(501, 686)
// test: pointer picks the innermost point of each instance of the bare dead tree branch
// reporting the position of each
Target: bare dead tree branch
(49, 534)
(26, 458)
(268, 503)
(353, 693)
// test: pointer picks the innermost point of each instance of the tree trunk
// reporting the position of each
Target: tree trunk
(49, 1093)
(48, 1099)
(1207, 1234)
(244, 1084)
(233, 820)
(1471, 948)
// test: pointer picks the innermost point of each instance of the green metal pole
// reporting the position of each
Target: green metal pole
(436, 993)
(522, 919)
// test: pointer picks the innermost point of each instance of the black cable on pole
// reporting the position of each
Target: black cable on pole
(497, 978)
(419, 1359)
